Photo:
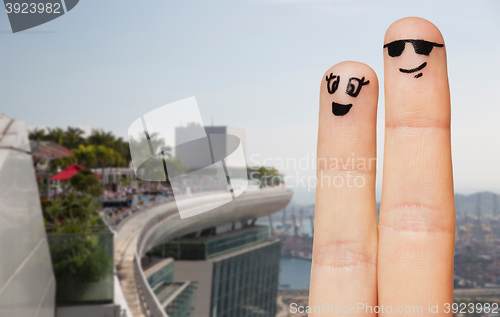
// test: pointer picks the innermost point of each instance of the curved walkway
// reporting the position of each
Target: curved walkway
(161, 223)
(125, 247)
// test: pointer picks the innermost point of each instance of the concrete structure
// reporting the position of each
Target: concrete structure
(109, 310)
(162, 223)
(240, 281)
(190, 156)
(113, 175)
(27, 285)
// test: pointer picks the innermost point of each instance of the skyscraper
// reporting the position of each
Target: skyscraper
(235, 266)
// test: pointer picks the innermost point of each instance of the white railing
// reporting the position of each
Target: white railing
(168, 225)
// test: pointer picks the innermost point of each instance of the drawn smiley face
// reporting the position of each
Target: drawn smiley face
(421, 47)
(353, 88)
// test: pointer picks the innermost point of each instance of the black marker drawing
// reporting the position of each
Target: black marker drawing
(334, 85)
(339, 109)
(421, 47)
(353, 88)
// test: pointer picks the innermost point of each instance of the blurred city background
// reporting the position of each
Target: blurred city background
(106, 230)
(92, 239)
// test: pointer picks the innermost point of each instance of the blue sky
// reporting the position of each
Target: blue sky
(255, 64)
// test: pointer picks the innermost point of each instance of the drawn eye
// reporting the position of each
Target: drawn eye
(422, 47)
(354, 86)
(332, 83)
(396, 48)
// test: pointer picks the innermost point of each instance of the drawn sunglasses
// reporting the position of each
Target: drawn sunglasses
(421, 47)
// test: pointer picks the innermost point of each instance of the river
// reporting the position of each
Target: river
(295, 273)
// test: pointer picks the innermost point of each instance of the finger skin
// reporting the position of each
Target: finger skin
(417, 215)
(345, 236)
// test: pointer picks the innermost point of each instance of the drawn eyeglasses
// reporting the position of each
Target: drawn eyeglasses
(421, 47)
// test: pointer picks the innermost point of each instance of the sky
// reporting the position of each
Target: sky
(253, 64)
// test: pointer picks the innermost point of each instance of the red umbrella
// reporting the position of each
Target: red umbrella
(68, 172)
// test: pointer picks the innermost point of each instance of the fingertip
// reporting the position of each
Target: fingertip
(348, 111)
(415, 74)
(352, 67)
(348, 83)
(413, 28)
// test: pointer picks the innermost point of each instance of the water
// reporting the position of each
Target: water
(304, 196)
(295, 272)
(278, 226)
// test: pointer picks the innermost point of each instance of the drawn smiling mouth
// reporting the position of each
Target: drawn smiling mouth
(413, 70)
(340, 109)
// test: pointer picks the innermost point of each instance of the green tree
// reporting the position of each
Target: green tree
(141, 144)
(175, 166)
(85, 155)
(55, 135)
(85, 148)
(73, 138)
(266, 176)
(37, 134)
(86, 182)
(70, 202)
(54, 211)
(100, 137)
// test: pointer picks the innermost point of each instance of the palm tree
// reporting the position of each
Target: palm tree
(73, 137)
(37, 134)
(88, 206)
(123, 149)
(55, 135)
(54, 211)
(104, 157)
(86, 155)
(71, 201)
(268, 176)
(99, 137)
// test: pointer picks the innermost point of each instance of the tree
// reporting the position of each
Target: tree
(86, 182)
(85, 148)
(88, 207)
(175, 166)
(85, 155)
(266, 176)
(99, 137)
(70, 203)
(73, 138)
(141, 144)
(55, 211)
(55, 135)
(103, 156)
(37, 134)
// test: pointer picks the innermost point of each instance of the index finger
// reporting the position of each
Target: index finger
(417, 213)
(344, 265)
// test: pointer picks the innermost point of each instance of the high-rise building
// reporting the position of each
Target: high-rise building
(176, 298)
(27, 284)
(235, 268)
(191, 155)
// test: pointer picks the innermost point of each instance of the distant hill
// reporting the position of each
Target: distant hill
(463, 204)
(468, 203)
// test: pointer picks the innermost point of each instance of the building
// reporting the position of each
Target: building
(191, 155)
(176, 298)
(27, 284)
(237, 278)
(235, 266)
(214, 162)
